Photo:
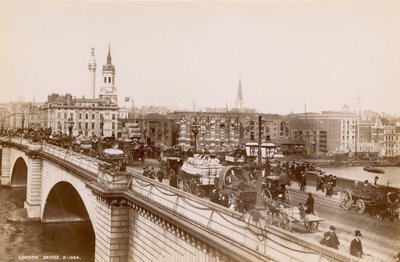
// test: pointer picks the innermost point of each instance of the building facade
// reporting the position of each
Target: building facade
(328, 132)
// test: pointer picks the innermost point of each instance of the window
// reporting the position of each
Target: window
(86, 116)
(113, 125)
(92, 125)
(86, 125)
(105, 79)
(113, 116)
(80, 115)
(109, 79)
(93, 116)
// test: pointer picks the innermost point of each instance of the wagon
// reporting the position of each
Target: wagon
(273, 190)
(377, 200)
(114, 158)
(198, 174)
(287, 215)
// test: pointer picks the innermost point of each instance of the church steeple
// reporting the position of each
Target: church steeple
(108, 66)
(239, 98)
(109, 55)
(108, 89)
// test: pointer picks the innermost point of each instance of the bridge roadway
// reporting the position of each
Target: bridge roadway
(165, 221)
(375, 231)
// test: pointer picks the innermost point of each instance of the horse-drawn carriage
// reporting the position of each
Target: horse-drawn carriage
(377, 200)
(198, 174)
(235, 189)
(272, 189)
(114, 159)
(169, 166)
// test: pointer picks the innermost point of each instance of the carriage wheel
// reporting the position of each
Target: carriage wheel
(360, 206)
(345, 199)
(170, 173)
(128, 159)
(186, 187)
(194, 188)
(311, 226)
(266, 193)
(286, 197)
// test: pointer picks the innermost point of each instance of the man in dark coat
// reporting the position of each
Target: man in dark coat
(356, 245)
(330, 238)
(303, 182)
(310, 204)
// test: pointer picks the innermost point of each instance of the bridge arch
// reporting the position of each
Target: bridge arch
(67, 200)
(19, 174)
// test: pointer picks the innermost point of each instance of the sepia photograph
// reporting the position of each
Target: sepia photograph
(200, 130)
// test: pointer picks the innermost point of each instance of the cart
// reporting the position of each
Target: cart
(287, 215)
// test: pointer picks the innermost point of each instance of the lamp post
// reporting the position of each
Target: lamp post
(23, 123)
(70, 123)
(259, 150)
(194, 127)
(101, 125)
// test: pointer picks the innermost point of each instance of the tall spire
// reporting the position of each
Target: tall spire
(109, 55)
(239, 94)
(239, 98)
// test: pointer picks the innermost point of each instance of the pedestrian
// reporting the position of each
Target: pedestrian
(356, 245)
(278, 169)
(334, 183)
(152, 173)
(328, 188)
(320, 182)
(145, 171)
(160, 176)
(376, 181)
(309, 204)
(330, 238)
(303, 182)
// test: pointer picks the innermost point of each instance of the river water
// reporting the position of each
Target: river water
(391, 175)
(33, 241)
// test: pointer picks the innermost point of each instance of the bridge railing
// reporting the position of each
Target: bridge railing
(268, 240)
(69, 155)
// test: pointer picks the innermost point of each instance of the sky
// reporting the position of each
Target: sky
(288, 54)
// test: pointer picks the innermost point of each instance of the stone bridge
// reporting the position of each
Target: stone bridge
(138, 219)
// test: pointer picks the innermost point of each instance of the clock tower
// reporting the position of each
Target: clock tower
(108, 90)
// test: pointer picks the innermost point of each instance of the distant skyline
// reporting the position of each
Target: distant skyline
(288, 54)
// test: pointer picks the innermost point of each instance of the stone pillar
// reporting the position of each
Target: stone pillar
(112, 232)
(34, 187)
(5, 178)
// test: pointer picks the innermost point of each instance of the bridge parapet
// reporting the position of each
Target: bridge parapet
(85, 162)
(113, 180)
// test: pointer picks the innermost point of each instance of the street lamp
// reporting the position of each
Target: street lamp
(70, 123)
(23, 123)
(101, 125)
(194, 127)
(259, 150)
